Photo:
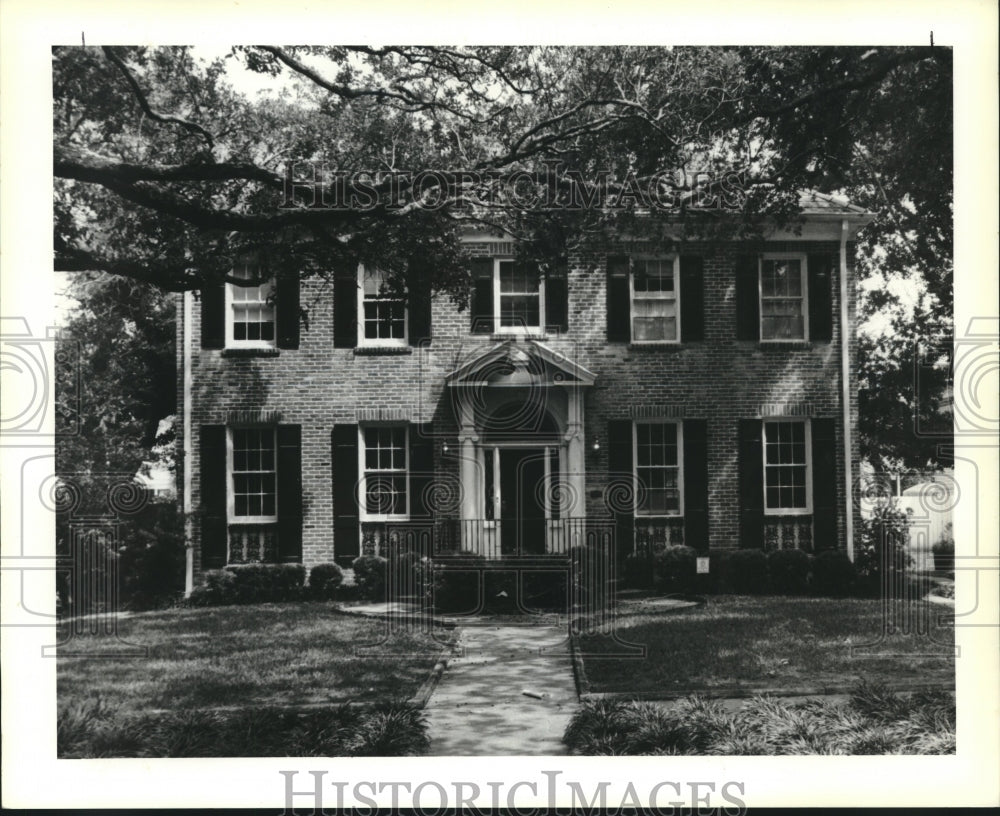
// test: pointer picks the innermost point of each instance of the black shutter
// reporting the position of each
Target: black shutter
(213, 317)
(421, 469)
(287, 305)
(482, 296)
(345, 309)
(617, 300)
(290, 493)
(820, 298)
(214, 528)
(747, 298)
(620, 469)
(419, 309)
(346, 524)
(696, 484)
(556, 300)
(692, 299)
(824, 468)
(751, 484)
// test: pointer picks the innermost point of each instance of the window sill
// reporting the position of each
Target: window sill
(657, 346)
(263, 351)
(784, 345)
(519, 335)
(364, 351)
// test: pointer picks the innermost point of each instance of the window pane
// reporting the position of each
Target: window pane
(519, 310)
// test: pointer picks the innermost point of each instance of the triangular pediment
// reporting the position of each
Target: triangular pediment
(520, 363)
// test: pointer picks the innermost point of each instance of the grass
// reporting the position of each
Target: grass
(771, 643)
(874, 720)
(257, 659)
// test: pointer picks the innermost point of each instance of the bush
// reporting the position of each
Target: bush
(674, 569)
(411, 574)
(456, 583)
(745, 571)
(325, 580)
(789, 571)
(636, 573)
(369, 577)
(944, 550)
(833, 574)
(883, 543)
(265, 583)
(219, 589)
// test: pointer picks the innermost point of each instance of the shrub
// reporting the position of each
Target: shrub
(411, 574)
(944, 550)
(369, 577)
(219, 589)
(325, 580)
(745, 571)
(674, 569)
(636, 573)
(264, 583)
(456, 582)
(789, 571)
(833, 574)
(883, 542)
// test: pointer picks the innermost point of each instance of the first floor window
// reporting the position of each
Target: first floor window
(383, 315)
(254, 489)
(786, 467)
(655, 300)
(658, 468)
(250, 308)
(385, 471)
(519, 301)
(783, 297)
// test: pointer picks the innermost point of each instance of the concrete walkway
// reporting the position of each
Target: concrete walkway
(479, 707)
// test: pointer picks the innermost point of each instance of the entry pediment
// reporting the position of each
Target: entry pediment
(518, 364)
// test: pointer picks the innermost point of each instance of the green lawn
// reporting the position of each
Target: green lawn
(262, 655)
(773, 643)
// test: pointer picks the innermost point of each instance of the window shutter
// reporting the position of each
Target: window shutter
(419, 309)
(214, 526)
(620, 468)
(421, 469)
(821, 298)
(556, 300)
(346, 524)
(482, 296)
(696, 484)
(287, 307)
(619, 330)
(213, 316)
(290, 493)
(345, 309)
(747, 298)
(824, 468)
(751, 484)
(692, 299)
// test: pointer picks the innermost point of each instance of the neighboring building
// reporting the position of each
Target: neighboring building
(705, 396)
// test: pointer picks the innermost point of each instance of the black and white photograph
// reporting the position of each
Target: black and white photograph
(475, 426)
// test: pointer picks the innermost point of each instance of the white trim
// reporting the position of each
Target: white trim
(516, 330)
(186, 307)
(384, 342)
(803, 259)
(231, 516)
(845, 393)
(363, 514)
(787, 511)
(680, 467)
(676, 298)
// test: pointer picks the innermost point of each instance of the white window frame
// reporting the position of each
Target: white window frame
(519, 330)
(231, 488)
(364, 515)
(783, 256)
(680, 467)
(384, 342)
(653, 296)
(230, 301)
(787, 511)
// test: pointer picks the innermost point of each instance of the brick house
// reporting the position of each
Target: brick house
(704, 396)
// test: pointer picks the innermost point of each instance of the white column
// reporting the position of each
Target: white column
(469, 475)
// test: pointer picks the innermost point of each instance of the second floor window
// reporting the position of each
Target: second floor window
(654, 300)
(250, 309)
(383, 314)
(520, 298)
(783, 301)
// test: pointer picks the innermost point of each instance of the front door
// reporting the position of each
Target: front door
(522, 496)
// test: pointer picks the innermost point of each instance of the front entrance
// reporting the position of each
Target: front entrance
(522, 500)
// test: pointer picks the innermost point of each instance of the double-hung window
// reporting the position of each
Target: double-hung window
(658, 468)
(253, 470)
(787, 464)
(519, 297)
(384, 472)
(784, 312)
(655, 300)
(250, 313)
(383, 314)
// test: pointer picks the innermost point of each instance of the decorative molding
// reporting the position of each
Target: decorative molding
(780, 409)
(252, 417)
(401, 413)
(655, 411)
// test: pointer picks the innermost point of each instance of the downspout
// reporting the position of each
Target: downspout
(186, 448)
(845, 378)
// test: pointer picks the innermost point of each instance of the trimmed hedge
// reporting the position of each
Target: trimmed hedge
(369, 577)
(456, 583)
(789, 571)
(325, 580)
(635, 571)
(833, 574)
(744, 572)
(250, 583)
(674, 570)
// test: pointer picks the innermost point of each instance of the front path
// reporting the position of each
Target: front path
(480, 708)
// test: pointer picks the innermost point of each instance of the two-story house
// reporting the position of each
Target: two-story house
(703, 395)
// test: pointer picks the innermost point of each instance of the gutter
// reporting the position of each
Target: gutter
(186, 447)
(845, 378)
